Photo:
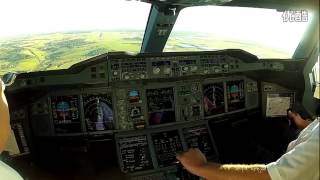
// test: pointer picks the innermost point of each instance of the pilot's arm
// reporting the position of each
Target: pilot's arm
(4, 118)
(6, 172)
(301, 162)
(195, 162)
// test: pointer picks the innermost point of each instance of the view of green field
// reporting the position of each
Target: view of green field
(61, 50)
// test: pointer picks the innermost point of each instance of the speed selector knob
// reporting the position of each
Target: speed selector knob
(156, 70)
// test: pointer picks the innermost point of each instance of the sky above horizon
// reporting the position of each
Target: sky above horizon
(263, 26)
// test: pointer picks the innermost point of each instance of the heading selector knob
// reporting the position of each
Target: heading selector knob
(156, 70)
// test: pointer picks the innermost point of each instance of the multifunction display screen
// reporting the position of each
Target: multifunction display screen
(235, 95)
(134, 153)
(213, 99)
(98, 112)
(65, 114)
(160, 104)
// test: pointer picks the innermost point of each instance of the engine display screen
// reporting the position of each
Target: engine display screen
(167, 145)
(134, 154)
(199, 137)
(235, 95)
(98, 112)
(160, 104)
(213, 99)
(65, 114)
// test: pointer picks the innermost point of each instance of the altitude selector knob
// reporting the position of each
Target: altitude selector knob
(167, 70)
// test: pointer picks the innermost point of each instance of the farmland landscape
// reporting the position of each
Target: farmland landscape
(40, 52)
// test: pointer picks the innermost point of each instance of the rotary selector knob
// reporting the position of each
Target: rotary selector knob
(167, 70)
(142, 76)
(185, 68)
(216, 70)
(194, 68)
(156, 70)
(225, 66)
(126, 76)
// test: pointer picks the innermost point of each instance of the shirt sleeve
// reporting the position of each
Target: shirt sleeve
(302, 162)
(7, 173)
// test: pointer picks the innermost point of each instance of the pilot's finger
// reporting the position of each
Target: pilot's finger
(292, 114)
(179, 156)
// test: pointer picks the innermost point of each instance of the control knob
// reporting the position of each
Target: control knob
(167, 70)
(156, 70)
(142, 76)
(115, 73)
(216, 70)
(185, 68)
(194, 68)
(126, 76)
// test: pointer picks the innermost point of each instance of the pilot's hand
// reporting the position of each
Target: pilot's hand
(2, 87)
(192, 160)
(297, 120)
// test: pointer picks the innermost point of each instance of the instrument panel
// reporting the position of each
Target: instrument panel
(155, 104)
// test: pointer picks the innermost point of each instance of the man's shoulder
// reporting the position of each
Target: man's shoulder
(8, 173)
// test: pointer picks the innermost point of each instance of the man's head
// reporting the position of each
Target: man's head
(4, 118)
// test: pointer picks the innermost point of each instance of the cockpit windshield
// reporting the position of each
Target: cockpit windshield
(38, 35)
(43, 35)
(266, 33)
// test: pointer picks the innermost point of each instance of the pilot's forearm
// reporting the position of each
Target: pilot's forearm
(214, 171)
(4, 120)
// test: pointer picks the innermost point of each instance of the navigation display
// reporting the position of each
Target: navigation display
(278, 104)
(65, 114)
(166, 145)
(213, 99)
(199, 137)
(160, 103)
(235, 95)
(134, 154)
(98, 112)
